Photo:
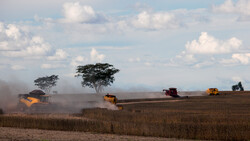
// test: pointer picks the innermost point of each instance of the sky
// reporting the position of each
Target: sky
(190, 45)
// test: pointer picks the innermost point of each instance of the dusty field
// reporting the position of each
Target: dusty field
(224, 117)
(17, 134)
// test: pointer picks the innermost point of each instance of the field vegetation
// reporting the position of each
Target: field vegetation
(224, 117)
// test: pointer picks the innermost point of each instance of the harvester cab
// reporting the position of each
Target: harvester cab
(212, 91)
(112, 99)
(35, 98)
(171, 92)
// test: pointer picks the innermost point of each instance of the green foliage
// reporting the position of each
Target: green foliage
(97, 75)
(46, 83)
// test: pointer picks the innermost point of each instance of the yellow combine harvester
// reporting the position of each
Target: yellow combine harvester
(112, 99)
(35, 100)
(212, 91)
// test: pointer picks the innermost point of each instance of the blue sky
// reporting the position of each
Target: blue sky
(190, 45)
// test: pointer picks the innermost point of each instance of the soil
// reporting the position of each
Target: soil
(16, 134)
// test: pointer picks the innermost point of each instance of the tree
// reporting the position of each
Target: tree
(97, 75)
(46, 83)
(238, 87)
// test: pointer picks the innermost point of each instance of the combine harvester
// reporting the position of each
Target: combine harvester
(173, 92)
(112, 99)
(212, 91)
(35, 101)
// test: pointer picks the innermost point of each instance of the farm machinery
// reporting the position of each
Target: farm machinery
(173, 92)
(212, 91)
(36, 100)
(112, 99)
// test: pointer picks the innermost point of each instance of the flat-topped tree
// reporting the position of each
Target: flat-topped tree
(46, 83)
(97, 75)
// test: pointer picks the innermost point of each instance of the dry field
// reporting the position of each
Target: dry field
(224, 117)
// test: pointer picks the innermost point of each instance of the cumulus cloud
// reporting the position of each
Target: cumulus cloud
(59, 55)
(18, 43)
(76, 13)
(35, 48)
(12, 31)
(237, 58)
(95, 56)
(154, 21)
(241, 7)
(79, 60)
(207, 44)
(187, 58)
(242, 58)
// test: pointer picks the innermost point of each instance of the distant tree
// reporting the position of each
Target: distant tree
(97, 75)
(46, 83)
(235, 87)
(238, 87)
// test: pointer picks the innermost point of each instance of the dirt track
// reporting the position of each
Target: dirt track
(17, 134)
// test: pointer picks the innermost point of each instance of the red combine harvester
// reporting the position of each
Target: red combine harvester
(173, 92)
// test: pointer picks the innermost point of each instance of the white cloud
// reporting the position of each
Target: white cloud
(241, 7)
(35, 48)
(13, 32)
(207, 44)
(76, 13)
(20, 43)
(148, 64)
(187, 58)
(95, 56)
(137, 59)
(160, 20)
(242, 58)
(79, 60)
(1, 27)
(4, 45)
(237, 79)
(52, 66)
(203, 64)
(59, 55)
(17, 67)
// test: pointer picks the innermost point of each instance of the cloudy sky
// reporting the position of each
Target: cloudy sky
(191, 45)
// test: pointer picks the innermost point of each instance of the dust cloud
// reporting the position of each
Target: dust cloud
(71, 102)
(9, 92)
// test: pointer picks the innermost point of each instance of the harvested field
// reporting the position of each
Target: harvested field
(16, 134)
(223, 117)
